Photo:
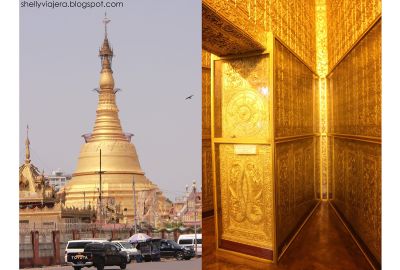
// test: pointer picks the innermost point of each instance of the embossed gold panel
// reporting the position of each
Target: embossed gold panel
(207, 183)
(357, 88)
(293, 89)
(347, 21)
(357, 189)
(295, 186)
(292, 21)
(242, 154)
(246, 196)
(355, 139)
(242, 104)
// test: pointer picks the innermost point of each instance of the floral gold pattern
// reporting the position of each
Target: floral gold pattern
(246, 196)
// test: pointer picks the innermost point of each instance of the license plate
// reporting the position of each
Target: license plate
(79, 257)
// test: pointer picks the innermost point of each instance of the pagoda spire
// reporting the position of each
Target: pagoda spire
(27, 150)
(107, 124)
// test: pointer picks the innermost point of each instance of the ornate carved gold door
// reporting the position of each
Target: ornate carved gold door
(242, 153)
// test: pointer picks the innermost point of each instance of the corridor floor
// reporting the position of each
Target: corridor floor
(323, 243)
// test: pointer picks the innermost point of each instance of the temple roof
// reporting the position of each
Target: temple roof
(32, 183)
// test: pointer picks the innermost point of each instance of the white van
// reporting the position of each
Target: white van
(188, 240)
(79, 245)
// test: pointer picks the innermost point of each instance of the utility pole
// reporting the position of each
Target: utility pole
(134, 202)
(195, 218)
(100, 192)
(84, 200)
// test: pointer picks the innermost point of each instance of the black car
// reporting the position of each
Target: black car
(169, 248)
(98, 255)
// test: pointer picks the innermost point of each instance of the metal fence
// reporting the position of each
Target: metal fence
(25, 245)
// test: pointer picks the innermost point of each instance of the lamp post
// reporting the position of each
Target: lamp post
(195, 217)
(100, 172)
(134, 202)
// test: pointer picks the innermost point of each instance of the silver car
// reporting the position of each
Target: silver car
(128, 248)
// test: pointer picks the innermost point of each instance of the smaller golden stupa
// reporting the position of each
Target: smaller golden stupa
(39, 207)
(33, 189)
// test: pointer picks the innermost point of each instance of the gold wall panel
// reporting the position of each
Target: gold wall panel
(243, 107)
(246, 196)
(292, 21)
(355, 110)
(295, 186)
(329, 166)
(357, 189)
(357, 88)
(293, 102)
(347, 21)
(207, 180)
(317, 171)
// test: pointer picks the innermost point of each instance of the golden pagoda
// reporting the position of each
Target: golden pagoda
(39, 206)
(108, 163)
(33, 189)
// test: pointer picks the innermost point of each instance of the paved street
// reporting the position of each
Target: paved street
(193, 264)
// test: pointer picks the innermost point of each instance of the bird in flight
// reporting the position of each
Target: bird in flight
(189, 97)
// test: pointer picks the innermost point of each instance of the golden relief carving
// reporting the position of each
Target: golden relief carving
(245, 110)
(207, 183)
(355, 93)
(357, 189)
(206, 103)
(357, 90)
(322, 38)
(348, 20)
(246, 196)
(295, 185)
(291, 21)
(293, 94)
(222, 38)
(317, 172)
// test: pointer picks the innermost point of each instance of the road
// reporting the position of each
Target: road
(193, 264)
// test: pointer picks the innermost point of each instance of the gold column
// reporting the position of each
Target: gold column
(322, 71)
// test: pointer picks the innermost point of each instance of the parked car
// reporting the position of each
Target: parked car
(98, 255)
(130, 250)
(169, 248)
(78, 246)
(189, 240)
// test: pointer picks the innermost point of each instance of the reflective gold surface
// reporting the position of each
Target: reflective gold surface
(322, 71)
(292, 21)
(348, 20)
(318, 93)
(240, 117)
(356, 89)
(355, 93)
(322, 244)
(294, 186)
(244, 105)
(293, 88)
(207, 180)
(120, 162)
(246, 196)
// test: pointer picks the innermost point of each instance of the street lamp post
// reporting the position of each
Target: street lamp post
(100, 172)
(134, 202)
(195, 218)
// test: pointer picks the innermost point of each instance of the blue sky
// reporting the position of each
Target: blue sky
(158, 63)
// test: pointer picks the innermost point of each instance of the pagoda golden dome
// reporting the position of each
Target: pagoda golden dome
(118, 163)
